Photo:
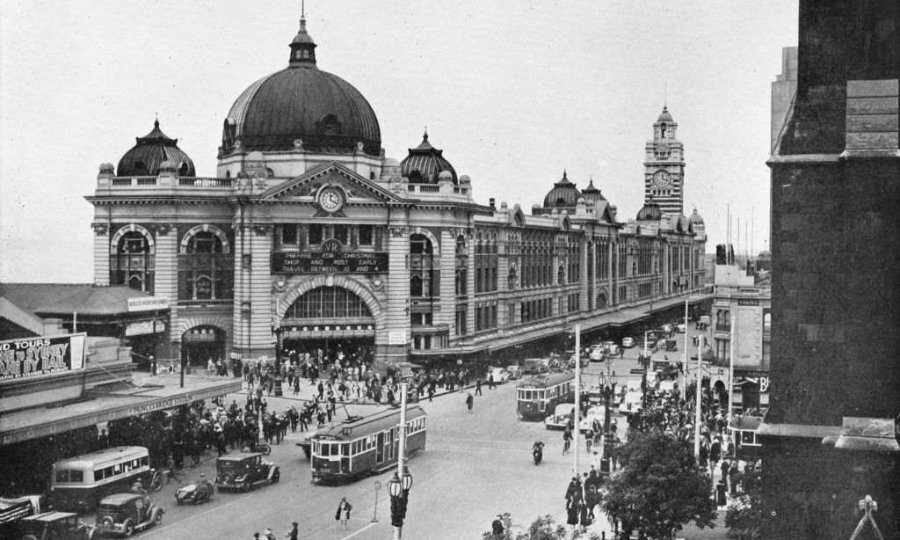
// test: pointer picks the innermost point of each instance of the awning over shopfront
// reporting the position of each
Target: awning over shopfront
(145, 394)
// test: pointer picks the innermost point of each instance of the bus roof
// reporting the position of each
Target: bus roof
(108, 455)
(50, 516)
(355, 428)
(543, 381)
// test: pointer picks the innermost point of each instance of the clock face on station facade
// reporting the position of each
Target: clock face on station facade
(662, 179)
(331, 199)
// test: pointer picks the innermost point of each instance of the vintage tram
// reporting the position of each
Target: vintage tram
(361, 446)
(537, 397)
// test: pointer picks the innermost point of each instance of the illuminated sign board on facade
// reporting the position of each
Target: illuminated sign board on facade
(294, 262)
(34, 357)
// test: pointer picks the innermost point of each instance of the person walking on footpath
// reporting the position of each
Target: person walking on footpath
(477, 387)
(469, 402)
(490, 381)
(293, 534)
(343, 512)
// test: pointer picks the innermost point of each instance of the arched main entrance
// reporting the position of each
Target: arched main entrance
(331, 322)
(200, 343)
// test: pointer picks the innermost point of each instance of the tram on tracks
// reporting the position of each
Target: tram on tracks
(537, 397)
(361, 446)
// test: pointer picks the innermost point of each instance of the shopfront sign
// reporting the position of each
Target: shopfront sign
(35, 357)
(331, 262)
(141, 328)
(161, 404)
(147, 303)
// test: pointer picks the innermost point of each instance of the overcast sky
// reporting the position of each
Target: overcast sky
(513, 91)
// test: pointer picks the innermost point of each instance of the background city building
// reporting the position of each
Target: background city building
(828, 436)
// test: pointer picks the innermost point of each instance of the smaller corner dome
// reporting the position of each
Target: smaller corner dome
(665, 116)
(695, 218)
(591, 193)
(563, 195)
(425, 164)
(150, 152)
(650, 212)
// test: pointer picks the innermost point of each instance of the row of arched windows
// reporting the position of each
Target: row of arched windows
(205, 265)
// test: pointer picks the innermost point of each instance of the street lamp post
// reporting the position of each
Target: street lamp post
(646, 361)
(698, 389)
(401, 483)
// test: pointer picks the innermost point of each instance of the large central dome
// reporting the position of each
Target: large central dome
(301, 106)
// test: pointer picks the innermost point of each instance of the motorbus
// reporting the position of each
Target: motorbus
(361, 446)
(79, 482)
(538, 396)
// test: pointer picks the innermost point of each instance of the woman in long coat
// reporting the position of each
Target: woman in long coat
(343, 512)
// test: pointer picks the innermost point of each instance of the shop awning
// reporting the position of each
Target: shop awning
(113, 404)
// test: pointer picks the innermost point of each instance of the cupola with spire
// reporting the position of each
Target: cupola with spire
(150, 152)
(425, 163)
(303, 48)
(563, 195)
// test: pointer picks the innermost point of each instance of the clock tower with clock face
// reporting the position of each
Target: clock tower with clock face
(664, 166)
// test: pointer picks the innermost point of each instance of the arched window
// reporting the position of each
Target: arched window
(328, 303)
(205, 266)
(462, 266)
(421, 266)
(132, 263)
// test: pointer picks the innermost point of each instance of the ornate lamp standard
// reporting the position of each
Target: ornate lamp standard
(400, 484)
(398, 488)
(607, 388)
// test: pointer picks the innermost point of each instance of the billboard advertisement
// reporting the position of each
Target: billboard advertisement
(39, 356)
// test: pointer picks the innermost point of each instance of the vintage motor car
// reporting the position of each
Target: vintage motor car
(245, 471)
(561, 417)
(195, 493)
(54, 526)
(124, 513)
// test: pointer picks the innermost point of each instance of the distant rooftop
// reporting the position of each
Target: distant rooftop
(65, 298)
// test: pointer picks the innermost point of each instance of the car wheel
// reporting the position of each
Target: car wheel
(157, 516)
(245, 487)
(276, 477)
(128, 527)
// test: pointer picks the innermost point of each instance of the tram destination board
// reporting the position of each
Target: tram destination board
(329, 262)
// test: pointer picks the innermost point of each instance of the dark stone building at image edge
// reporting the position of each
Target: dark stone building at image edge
(828, 439)
(309, 233)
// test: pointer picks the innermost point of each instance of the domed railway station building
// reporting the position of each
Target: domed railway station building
(310, 237)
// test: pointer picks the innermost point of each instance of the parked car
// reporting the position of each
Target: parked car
(597, 354)
(500, 375)
(681, 328)
(515, 372)
(54, 526)
(611, 347)
(628, 343)
(124, 513)
(632, 402)
(244, 471)
(561, 416)
(195, 493)
(532, 366)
